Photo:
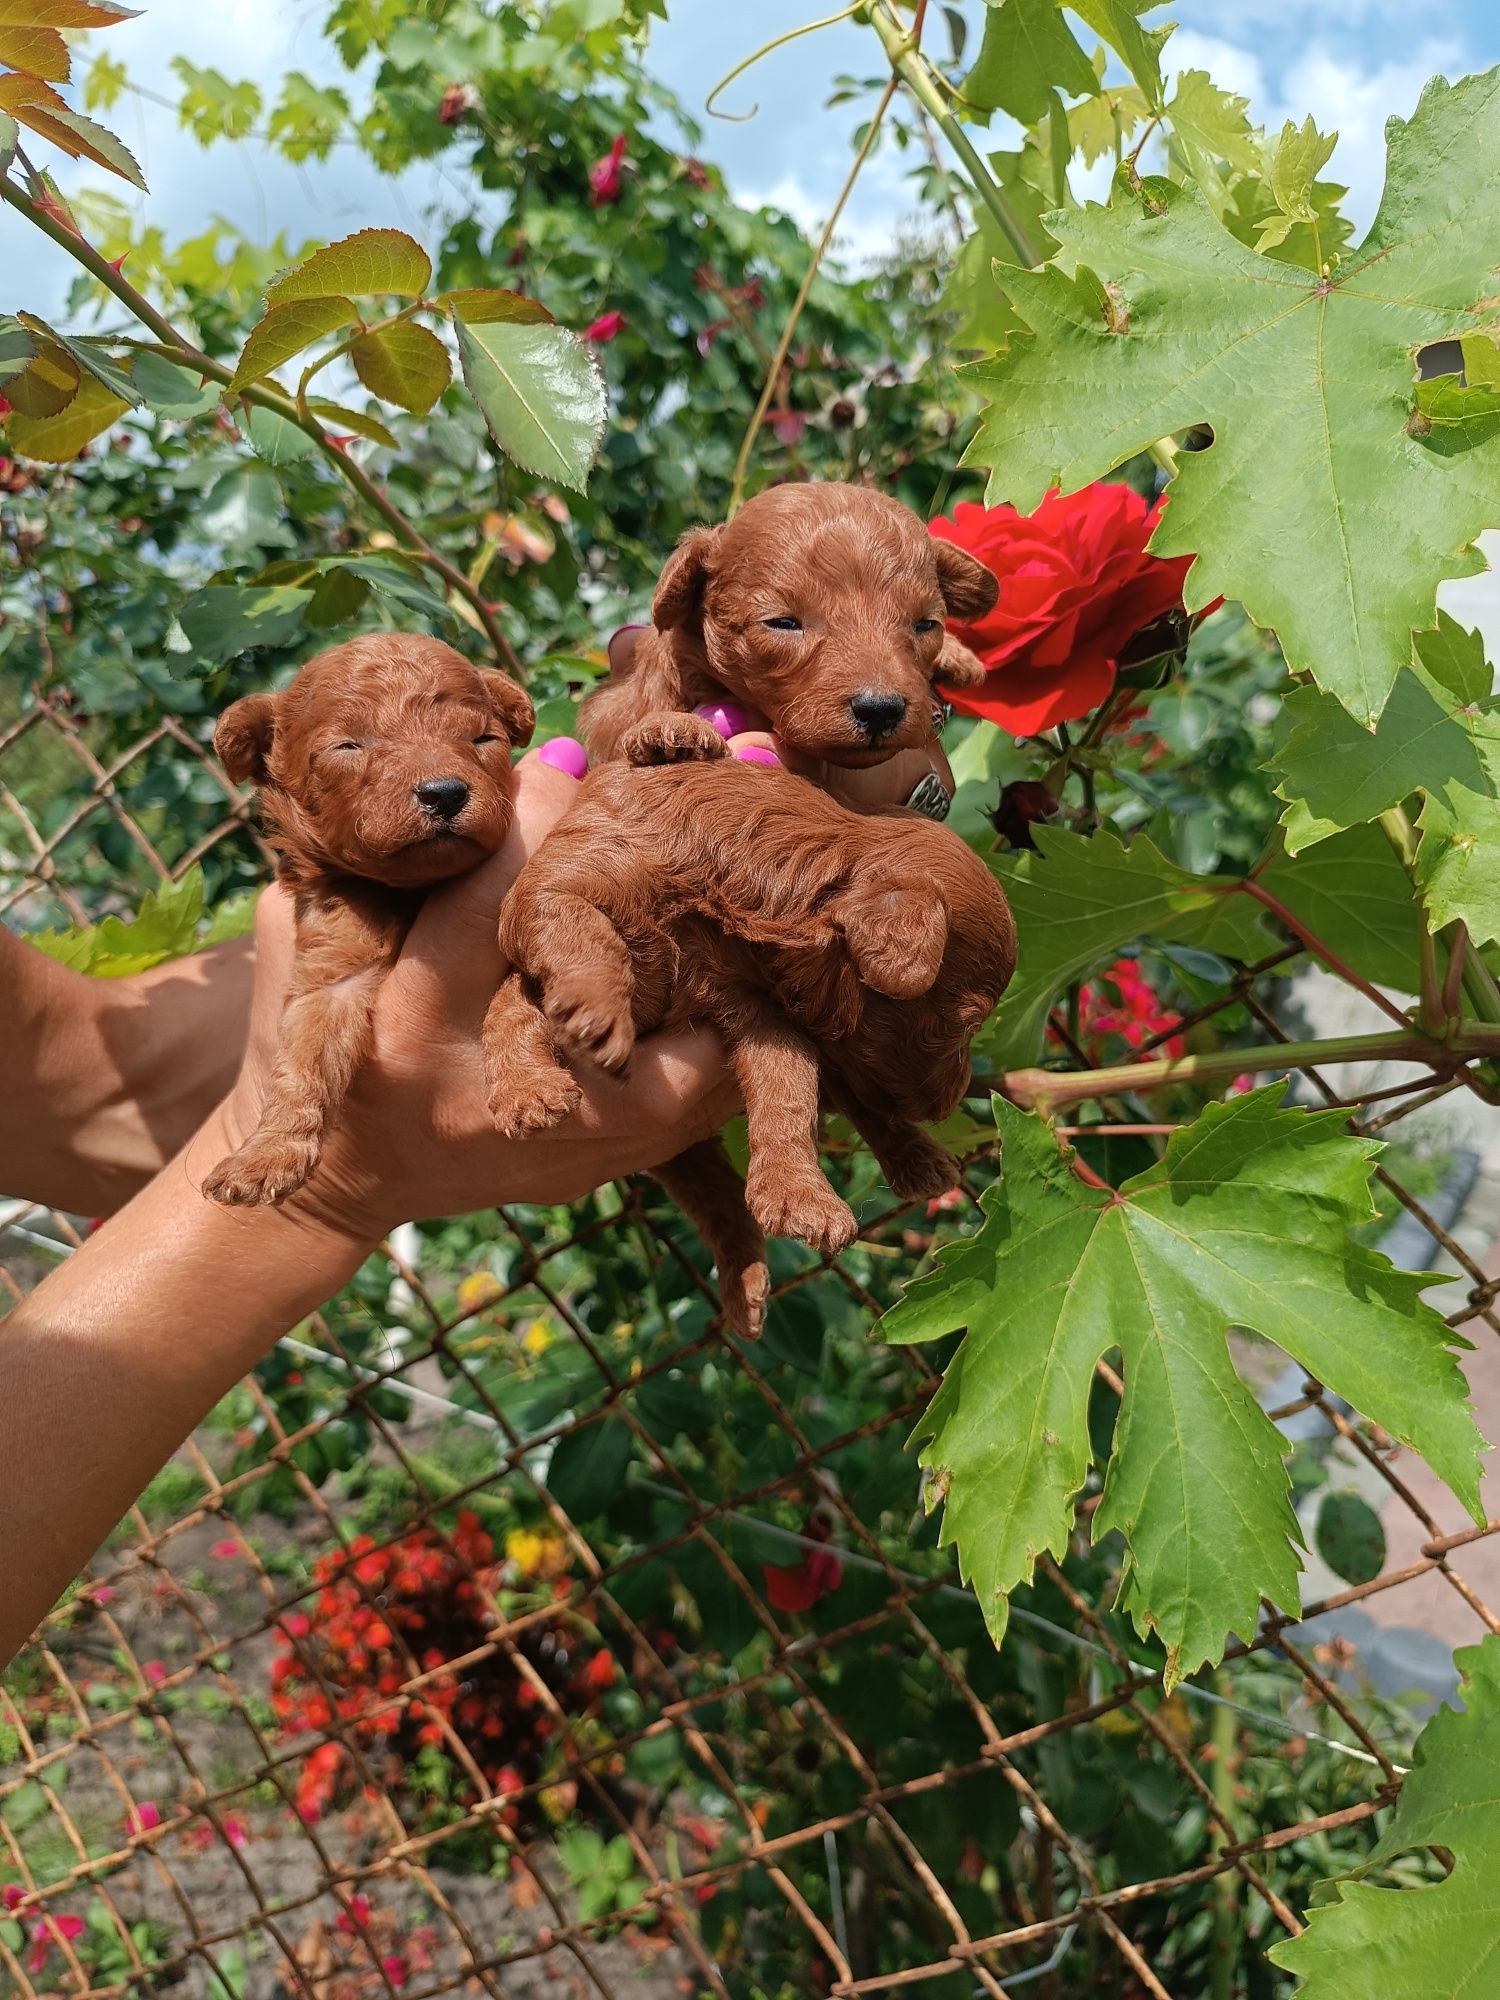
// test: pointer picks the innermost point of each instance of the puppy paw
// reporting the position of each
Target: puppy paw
(804, 1207)
(920, 1173)
(673, 739)
(262, 1172)
(522, 1109)
(744, 1295)
(590, 1021)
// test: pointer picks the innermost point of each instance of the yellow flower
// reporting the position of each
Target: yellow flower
(538, 1552)
(537, 1338)
(478, 1290)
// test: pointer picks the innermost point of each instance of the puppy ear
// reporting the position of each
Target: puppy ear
(969, 589)
(243, 738)
(679, 594)
(512, 704)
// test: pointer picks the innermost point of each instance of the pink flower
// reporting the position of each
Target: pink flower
(605, 327)
(606, 180)
(394, 1969)
(788, 426)
(141, 1818)
(154, 1671)
(11, 1896)
(50, 1931)
(357, 1914)
(104, 1593)
(225, 1551)
(235, 1831)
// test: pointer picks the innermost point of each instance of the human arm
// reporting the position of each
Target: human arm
(108, 1365)
(101, 1080)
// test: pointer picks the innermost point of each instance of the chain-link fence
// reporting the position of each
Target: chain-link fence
(515, 1629)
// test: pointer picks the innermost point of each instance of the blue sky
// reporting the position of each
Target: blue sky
(1349, 62)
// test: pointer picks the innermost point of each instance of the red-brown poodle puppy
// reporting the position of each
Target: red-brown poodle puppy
(383, 768)
(846, 959)
(820, 606)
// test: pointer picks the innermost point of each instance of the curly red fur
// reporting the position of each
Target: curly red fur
(846, 960)
(383, 768)
(869, 590)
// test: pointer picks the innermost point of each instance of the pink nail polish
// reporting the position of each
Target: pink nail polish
(726, 717)
(565, 753)
(752, 753)
(620, 631)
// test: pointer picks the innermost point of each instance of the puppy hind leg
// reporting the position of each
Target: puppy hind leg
(786, 1189)
(703, 1183)
(528, 1088)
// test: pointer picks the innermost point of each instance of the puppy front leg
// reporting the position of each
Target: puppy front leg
(672, 736)
(915, 1166)
(957, 667)
(529, 1090)
(325, 1036)
(582, 967)
(787, 1191)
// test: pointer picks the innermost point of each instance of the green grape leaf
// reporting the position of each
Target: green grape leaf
(1244, 1222)
(1458, 861)
(1366, 1943)
(1334, 774)
(403, 364)
(211, 107)
(1028, 51)
(1293, 165)
(1353, 894)
(285, 330)
(308, 119)
(1078, 900)
(1210, 126)
(1102, 124)
(540, 390)
(971, 291)
(1339, 540)
(372, 263)
(1118, 21)
(1249, 208)
(165, 926)
(223, 620)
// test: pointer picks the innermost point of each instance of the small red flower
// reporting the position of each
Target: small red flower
(141, 1818)
(154, 1672)
(605, 327)
(1076, 585)
(799, 1586)
(1121, 1001)
(696, 174)
(224, 1551)
(600, 1671)
(606, 176)
(788, 426)
(458, 99)
(11, 1896)
(46, 1933)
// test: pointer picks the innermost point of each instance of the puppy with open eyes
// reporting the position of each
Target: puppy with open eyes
(383, 769)
(846, 960)
(821, 606)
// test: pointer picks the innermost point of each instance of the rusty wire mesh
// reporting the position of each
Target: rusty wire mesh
(159, 1784)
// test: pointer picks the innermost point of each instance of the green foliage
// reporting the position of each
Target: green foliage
(1369, 1943)
(1244, 1222)
(1168, 322)
(168, 924)
(1077, 901)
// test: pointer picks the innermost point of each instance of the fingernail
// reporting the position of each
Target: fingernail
(565, 753)
(752, 753)
(728, 719)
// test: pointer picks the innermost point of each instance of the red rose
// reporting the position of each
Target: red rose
(606, 179)
(1076, 585)
(605, 327)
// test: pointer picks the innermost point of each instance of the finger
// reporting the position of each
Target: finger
(919, 777)
(450, 964)
(675, 1080)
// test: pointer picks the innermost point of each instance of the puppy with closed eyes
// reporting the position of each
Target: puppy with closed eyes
(821, 607)
(383, 769)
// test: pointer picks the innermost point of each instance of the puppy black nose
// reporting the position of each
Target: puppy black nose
(444, 798)
(877, 714)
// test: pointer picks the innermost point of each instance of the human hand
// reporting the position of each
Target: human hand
(414, 1137)
(919, 778)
